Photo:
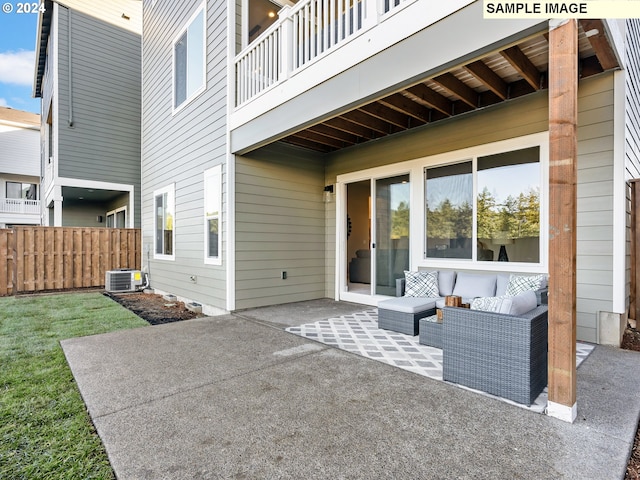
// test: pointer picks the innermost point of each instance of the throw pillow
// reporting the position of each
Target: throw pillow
(492, 304)
(421, 284)
(523, 302)
(522, 283)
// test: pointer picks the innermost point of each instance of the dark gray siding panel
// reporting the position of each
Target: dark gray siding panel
(103, 142)
(178, 147)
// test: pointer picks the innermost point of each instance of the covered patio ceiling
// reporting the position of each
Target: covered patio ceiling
(518, 70)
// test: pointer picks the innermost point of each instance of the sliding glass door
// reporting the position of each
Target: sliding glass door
(377, 235)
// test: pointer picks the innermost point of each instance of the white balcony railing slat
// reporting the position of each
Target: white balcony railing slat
(20, 206)
(301, 34)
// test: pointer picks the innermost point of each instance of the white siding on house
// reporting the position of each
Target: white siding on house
(178, 148)
(19, 150)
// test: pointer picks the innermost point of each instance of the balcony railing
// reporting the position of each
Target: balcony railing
(303, 33)
(20, 206)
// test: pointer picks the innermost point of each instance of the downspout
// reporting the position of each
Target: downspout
(69, 67)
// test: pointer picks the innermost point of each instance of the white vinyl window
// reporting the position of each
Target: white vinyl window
(212, 215)
(164, 223)
(485, 208)
(117, 218)
(189, 60)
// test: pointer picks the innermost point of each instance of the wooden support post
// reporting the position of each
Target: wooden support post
(563, 153)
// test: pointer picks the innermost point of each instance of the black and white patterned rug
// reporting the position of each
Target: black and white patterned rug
(359, 333)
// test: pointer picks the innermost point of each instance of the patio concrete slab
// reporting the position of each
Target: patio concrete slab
(233, 397)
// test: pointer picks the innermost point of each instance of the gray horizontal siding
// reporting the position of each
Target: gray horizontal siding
(632, 127)
(104, 142)
(595, 203)
(178, 148)
(280, 226)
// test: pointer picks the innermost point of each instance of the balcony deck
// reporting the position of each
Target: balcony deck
(323, 78)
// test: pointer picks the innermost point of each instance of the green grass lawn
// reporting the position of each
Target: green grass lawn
(45, 431)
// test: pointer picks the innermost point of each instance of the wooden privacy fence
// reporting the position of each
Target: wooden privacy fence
(35, 259)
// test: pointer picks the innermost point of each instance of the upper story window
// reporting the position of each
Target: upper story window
(486, 208)
(164, 222)
(189, 60)
(23, 191)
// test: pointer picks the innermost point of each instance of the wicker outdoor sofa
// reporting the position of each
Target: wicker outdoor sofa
(502, 352)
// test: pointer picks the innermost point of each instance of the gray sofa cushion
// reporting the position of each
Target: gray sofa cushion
(523, 302)
(502, 283)
(408, 304)
(446, 282)
(471, 285)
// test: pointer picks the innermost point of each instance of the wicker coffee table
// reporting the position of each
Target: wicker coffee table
(430, 332)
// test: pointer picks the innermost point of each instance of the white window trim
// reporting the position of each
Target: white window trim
(418, 217)
(168, 189)
(116, 211)
(213, 175)
(471, 154)
(175, 109)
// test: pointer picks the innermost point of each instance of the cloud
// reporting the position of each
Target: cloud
(17, 67)
(3, 103)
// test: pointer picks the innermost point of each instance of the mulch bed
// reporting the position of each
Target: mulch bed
(153, 308)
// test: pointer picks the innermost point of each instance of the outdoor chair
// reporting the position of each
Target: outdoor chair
(504, 355)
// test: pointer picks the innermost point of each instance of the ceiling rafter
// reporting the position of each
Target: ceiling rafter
(383, 112)
(429, 98)
(364, 119)
(594, 30)
(410, 108)
(500, 76)
(449, 82)
(488, 78)
(523, 66)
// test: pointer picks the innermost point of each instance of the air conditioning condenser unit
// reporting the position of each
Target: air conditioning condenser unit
(123, 280)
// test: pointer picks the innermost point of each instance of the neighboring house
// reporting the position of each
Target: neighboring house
(407, 135)
(88, 76)
(19, 168)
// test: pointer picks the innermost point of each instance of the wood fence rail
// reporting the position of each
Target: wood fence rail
(34, 259)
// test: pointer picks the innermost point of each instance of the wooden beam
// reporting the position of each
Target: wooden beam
(332, 132)
(350, 127)
(465, 93)
(364, 119)
(407, 106)
(489, 78)
(320, 139)
(378, 110)
(563, 156)
(425, 96)
(301, 142)
(523, 65)
(600, 43)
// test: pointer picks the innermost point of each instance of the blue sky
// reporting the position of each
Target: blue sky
(17, 57)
